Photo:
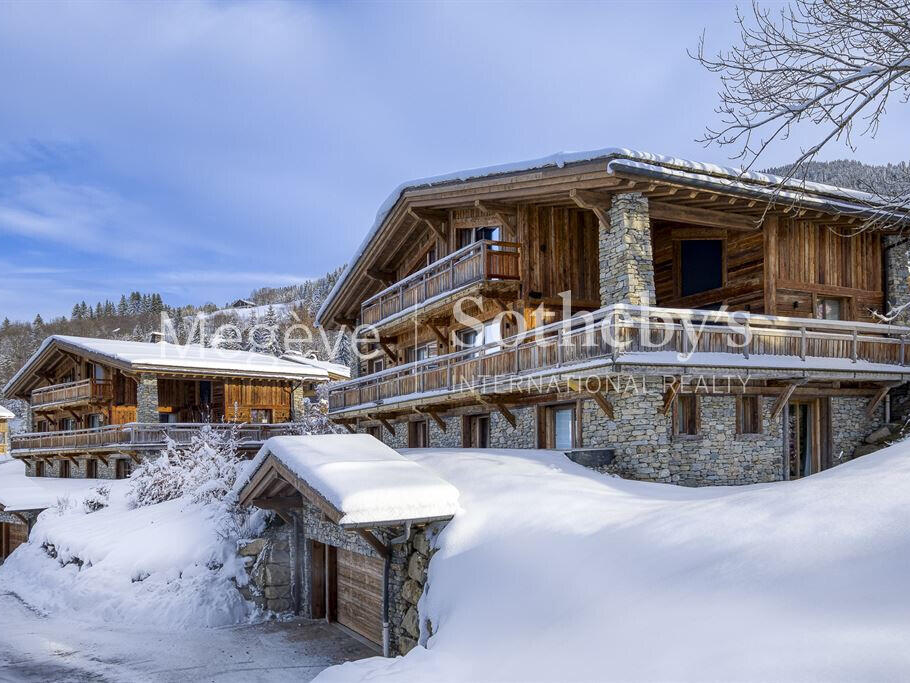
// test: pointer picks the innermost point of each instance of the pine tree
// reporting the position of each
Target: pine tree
(123, 308)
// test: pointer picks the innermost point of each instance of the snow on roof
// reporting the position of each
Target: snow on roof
(6, 414)
(164, 355)
(365, 480)
(19, 492)
(560, 159)
(328, 366)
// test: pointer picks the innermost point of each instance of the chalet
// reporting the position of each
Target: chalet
(772, 363)
(5, 417)
(96, 406)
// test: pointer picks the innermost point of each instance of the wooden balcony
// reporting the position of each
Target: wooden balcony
(135, 437)
(71, 393)
(617, 338)
(486, 261)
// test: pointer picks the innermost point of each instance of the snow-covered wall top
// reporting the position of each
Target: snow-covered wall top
(561, 159)
(19, 492)
(164, 355)
(362, 478)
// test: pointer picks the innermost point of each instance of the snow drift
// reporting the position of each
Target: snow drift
(172, 564)
(552, 572)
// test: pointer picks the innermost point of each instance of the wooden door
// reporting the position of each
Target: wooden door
(359, 594)
(806, 438)
(11, 537)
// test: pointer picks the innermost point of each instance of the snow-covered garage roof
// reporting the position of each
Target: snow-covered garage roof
(19, 492)
(359, 481)
(136, 356)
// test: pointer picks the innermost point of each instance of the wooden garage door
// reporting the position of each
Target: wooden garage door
(360, 594)
(11, 537)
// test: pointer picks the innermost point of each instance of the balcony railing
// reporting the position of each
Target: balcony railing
(138, 436)
(639, 335)
(483, 260)
(84, 390)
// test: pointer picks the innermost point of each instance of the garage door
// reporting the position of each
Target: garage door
(11, 537)
(360, 594)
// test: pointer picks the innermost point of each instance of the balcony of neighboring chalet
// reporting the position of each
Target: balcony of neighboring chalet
(82, 392)
(486, 268)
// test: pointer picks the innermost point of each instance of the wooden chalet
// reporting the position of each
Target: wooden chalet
(637, 239)
(98, 405)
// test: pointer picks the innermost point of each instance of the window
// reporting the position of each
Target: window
(476, 431)
(124, 469)
(489, 334)
(561, 427)
(205, 393)
(685, 415)
(418, 353)
(828, 308)
(748, 416)
(701, 265)
(261, 416)
(375, 365)
(468, 236)
(96, 371)
(63, 469)
(68, 424)
(419, 434)
(93, 421)
(375, 431)
(39, 468)
(91, 469)
(167, 418)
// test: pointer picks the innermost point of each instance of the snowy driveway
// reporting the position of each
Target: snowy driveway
(35, 647)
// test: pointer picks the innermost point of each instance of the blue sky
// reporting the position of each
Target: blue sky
(202, 150)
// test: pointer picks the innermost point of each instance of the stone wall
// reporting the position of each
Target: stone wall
(850, 426)
(646, 448)
(268, 566)
(626, 262)
(523, 435)
(297, 401)
(897, 253)
(147, 398)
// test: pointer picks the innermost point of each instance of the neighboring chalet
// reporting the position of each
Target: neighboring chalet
(96, 406)
(5, 417)
(637, 239)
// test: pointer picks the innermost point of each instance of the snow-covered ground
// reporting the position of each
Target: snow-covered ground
(554, 573)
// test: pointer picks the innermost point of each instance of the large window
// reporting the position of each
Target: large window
(468, 236)
(488, 334)
(701, 265)
(422, 352)
(63, 469)
(685, 415)
(91, 468)
(418, 434)
(123, 468)
(262, 416)
(829, 308)
(561, 427)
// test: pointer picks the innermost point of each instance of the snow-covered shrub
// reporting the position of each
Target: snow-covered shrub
(97, 499)
(204, 470)
(315, 419)
(64, 504)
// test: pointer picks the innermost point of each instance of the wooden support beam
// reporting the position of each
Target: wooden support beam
(386, 277)
(878, 398)
(770, 262)
(279, 503)
(709, 217)
(349, 428)
(135, 458)
(388, 425)
(784, 397)
(435, 220)
(506, 214)
(443, 339)
(507, 414)
(670, 396)
(388, 351)
(602, 401)
(374, 542)
(593, 201)
(432, 413)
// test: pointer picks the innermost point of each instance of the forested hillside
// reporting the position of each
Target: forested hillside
(138, 314)
(885, 180)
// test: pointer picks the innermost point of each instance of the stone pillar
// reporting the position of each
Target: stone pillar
(297, 398)
(147, 398)
(897, 254)
(626, 260)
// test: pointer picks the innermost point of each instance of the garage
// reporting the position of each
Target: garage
(346, 588)
(11, 537)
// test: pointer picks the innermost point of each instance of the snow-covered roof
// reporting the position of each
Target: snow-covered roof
(684, 169)
(147, 356)
(6, 414)
(365, 481)
(334, 369)
(19, 492)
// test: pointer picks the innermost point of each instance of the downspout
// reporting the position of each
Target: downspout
(386, 571)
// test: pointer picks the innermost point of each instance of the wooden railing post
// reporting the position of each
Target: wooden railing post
(747, 339)
(855, 350)
(802, 343)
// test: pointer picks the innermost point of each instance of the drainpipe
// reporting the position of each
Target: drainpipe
(386, 571)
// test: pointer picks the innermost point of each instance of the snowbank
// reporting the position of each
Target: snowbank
(170, 564)
(552, 572)
(362, 478)
(20, 492)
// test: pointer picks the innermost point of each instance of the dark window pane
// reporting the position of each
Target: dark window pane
(702, 265)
